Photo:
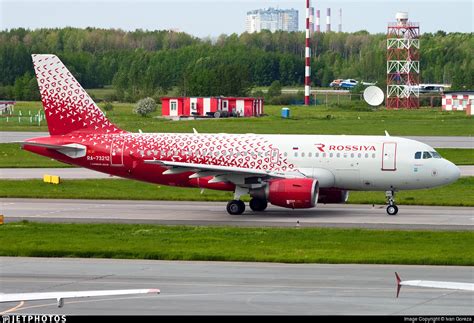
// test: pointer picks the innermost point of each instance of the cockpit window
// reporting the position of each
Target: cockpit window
(435, 154)
(426, 155)
(418, 155)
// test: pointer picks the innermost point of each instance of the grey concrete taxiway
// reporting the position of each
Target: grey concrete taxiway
(433, 141)
(84, 173)
(64, 173)
(214, 213)
(233, 288)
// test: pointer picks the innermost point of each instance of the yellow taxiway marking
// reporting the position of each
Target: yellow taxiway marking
(13, 308)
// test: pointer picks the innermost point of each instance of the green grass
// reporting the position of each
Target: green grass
(12, 156)
(304, 120)
(460, 193)
(309, 245)
(458, 156)
(102, 94)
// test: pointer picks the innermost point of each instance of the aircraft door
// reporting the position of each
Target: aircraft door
(116, 152)
(275, 156)
(389, 156)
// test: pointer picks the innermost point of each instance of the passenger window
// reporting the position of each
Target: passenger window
(316, 155)
(310, 154)
(296, 154)
(352, 155)
(285, 154)
(338, 155)
(302, 154)
(330, 155)
(426, 155)
(418, 155)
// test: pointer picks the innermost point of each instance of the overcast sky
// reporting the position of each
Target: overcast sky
(211, 17)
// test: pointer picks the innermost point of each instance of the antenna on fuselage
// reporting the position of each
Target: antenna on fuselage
(140, 131)
(195, 131)
(386, 133)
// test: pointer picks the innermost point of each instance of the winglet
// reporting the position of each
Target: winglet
(399, 285)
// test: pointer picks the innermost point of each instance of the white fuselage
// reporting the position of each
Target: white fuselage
(365, 162)
(368, 163)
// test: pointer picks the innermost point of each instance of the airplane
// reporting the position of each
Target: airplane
(348, 84)
(290, 171)
(60, 296)
(432, 284)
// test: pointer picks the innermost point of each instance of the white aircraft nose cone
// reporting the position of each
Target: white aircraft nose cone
(452, 172)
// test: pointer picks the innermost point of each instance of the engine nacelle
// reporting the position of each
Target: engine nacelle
(330, 196)
(294, 193)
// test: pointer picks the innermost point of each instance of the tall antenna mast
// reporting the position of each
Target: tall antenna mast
(307, 70)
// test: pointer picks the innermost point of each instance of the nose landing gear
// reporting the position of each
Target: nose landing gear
(392, 209)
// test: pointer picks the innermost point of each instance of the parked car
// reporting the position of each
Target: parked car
(336, 83)
(348, 84)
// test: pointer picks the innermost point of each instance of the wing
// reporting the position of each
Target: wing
(433, 284)
(220, 173)
(59, 296)
(70, 150)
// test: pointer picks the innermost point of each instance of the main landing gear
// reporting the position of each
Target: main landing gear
(236, 207)
(392, 209)
(258, 205)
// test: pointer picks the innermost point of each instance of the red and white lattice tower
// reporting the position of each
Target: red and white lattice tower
(318, 21)
(403, 63)
(307, 70)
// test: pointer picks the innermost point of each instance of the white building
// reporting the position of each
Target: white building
(271, 19)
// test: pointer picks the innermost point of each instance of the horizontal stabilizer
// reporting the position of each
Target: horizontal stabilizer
(59, 296)
(70, 150)
(433, 284)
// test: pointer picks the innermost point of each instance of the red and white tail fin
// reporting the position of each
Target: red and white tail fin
(68, 108)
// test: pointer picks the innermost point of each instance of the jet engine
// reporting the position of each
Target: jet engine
(297, 193)
(330, 196)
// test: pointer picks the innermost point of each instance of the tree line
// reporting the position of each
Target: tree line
(153, 63)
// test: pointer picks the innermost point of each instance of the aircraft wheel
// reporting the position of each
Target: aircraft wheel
(258, 205)
(235, 207)
(392, 210)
